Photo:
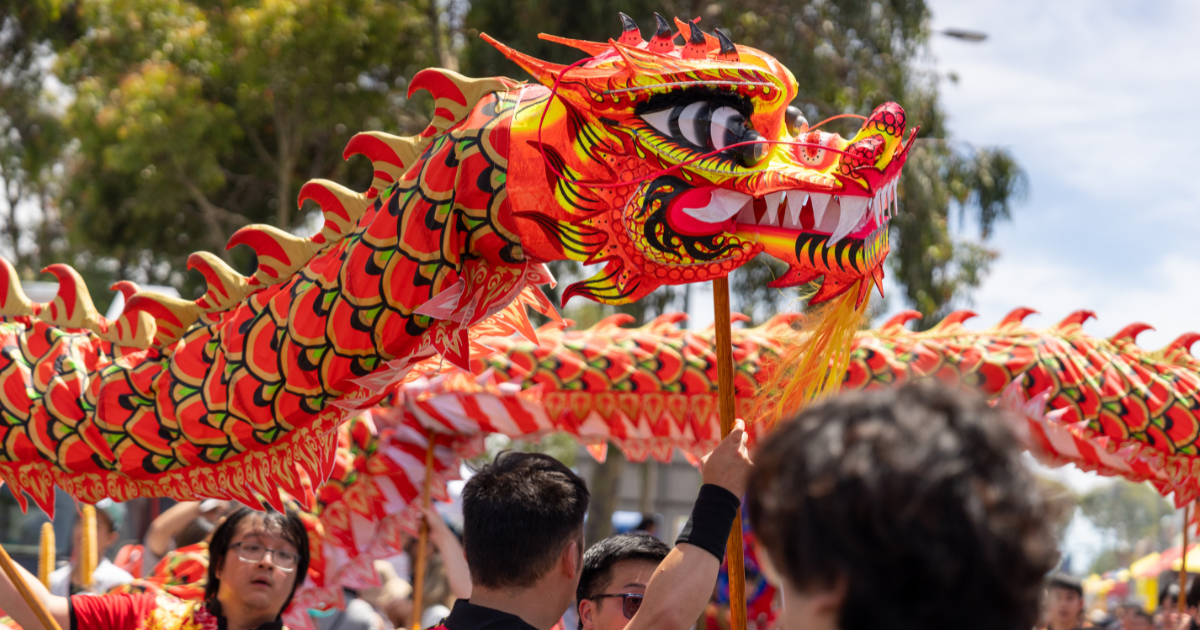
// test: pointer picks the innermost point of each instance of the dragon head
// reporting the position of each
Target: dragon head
(677, 164)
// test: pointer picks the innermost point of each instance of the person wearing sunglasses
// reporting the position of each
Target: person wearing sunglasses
(616, 571)
(256, 561)
(523, 537)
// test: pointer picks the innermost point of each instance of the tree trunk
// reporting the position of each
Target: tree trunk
(288, 142)
(606, 481)
(649, 496)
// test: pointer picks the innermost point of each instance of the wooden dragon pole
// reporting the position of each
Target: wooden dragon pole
(10, 569)
(1183, 560)
(422, 541)
(734, 552)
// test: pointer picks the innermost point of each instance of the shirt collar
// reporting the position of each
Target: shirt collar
(468, 616)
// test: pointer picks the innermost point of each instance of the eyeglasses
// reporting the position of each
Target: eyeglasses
(630, 602)
(252, 552)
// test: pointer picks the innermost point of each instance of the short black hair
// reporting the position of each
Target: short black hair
(604, 555)
(290, 528)
(916, 499)
(1066, 583)
(1141, 612)
(518, 513)
(1170, 590)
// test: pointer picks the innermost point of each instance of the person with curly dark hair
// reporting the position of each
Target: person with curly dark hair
(906, 509)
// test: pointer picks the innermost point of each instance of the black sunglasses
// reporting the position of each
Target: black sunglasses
(630, 602)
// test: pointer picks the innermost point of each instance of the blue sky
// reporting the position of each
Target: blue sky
(1094, 99)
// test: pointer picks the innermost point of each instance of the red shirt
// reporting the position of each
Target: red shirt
(147, 611)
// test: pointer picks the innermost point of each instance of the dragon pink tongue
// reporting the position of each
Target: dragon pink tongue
(702, 211)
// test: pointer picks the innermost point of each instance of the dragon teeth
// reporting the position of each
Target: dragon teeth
(795, 205)
(773, 200)
(723, 205)
(820, 202)
(852, 211)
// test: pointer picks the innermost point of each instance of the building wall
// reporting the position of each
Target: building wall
(666, 490)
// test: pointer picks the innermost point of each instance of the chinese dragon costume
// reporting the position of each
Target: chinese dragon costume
(667, 163)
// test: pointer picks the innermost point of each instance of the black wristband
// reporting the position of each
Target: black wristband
(712, 518)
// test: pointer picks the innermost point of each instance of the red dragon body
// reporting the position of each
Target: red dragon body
(670, 164)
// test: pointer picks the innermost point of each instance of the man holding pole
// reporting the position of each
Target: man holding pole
(523, 532)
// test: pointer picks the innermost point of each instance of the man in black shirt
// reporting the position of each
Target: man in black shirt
(523, 538)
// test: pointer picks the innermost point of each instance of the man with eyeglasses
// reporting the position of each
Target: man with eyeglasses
(257, 559)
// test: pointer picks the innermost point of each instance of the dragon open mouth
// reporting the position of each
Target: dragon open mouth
(798, 227)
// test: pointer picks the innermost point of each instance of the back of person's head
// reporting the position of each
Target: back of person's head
(1065, 582)
(1168, 592)
(915, 500)
(287, 526)
(518, 513)
(602, 556)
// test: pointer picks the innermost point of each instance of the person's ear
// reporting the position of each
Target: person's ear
(571, 561)
(767, 568)
(587, 608)
(112, 539)
(829, 600)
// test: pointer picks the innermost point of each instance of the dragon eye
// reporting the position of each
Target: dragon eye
(701, 124)
(728, 127)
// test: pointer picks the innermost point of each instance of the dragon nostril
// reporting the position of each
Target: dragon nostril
(796, 122)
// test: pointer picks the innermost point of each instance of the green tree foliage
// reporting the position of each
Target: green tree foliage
(31, 133)
(195, 118)
(1126, 512)
(848, 57)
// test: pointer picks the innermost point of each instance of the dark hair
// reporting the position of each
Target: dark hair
(1066, 583)
(290, 528)
(1170, 590)
(916, 499)
(1140, 612)
(518, 513)
(604, 555)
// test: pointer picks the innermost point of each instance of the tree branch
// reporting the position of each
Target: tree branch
(261, 150)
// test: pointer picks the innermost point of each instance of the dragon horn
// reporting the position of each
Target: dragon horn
(389, 155)
(1016, 317)
(1183, 344)
(226, 287)
(1075, 320)
(340, 206)
(591, 48)
(630, 34)
(663, 40)
(72, 307)
(1129, 333)
(279, 253)
(728, 50)
(13, 301)
(897, 322)
(545, 72)
(953, 320)
(126, 287)
(172, 316)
